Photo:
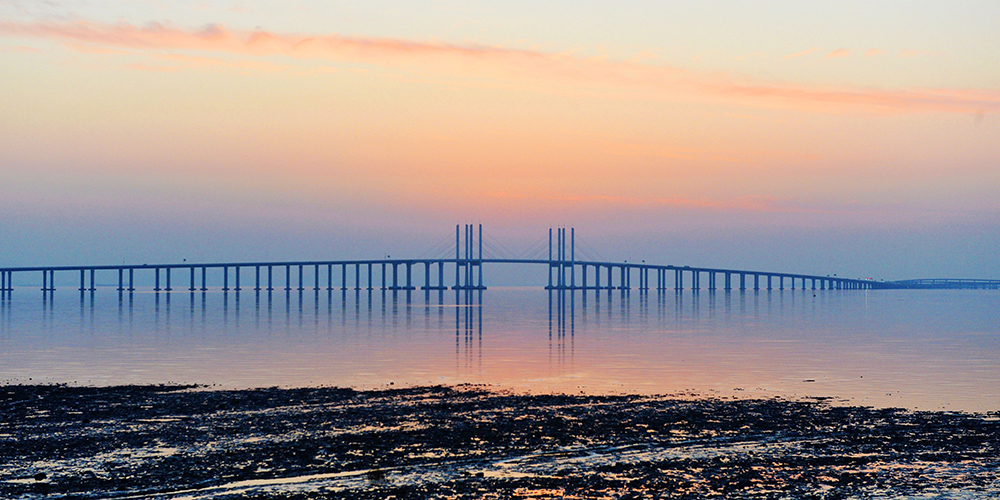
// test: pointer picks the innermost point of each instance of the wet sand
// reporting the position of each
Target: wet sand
(473, 442)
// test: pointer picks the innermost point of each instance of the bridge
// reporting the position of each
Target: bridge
(565, 272)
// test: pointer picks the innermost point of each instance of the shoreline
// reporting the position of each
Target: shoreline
(190, 441)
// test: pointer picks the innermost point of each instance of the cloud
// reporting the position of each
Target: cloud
(907, 53)
(873, 53)
(17, 49)
(800, 54)
(838, 53)
(533, 67)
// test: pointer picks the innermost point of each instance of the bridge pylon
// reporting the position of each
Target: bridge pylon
(562, 260)
(468, 268)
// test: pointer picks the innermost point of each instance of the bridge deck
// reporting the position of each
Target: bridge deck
(564, 272)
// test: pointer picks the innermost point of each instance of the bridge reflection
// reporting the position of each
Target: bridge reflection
(389, 316)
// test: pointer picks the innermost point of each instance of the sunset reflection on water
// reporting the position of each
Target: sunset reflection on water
(913, 349)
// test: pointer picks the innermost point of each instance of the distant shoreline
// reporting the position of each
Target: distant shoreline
(166, 441)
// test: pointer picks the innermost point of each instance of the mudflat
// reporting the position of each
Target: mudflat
(474, 442)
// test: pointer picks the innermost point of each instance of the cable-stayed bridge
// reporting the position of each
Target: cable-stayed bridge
(461, 271)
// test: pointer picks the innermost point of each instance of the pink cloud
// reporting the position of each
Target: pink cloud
(838, 53)
(907, 53)
(17, 49)
(800, 54)
(657, 81)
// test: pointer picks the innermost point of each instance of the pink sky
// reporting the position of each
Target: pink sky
(147, 124)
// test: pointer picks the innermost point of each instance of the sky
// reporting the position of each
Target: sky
(854, 137)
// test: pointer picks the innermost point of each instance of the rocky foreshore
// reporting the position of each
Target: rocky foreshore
(473, 442)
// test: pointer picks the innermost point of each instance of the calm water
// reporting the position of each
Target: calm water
(916, 349)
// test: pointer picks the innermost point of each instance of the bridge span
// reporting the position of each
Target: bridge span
(462, 272)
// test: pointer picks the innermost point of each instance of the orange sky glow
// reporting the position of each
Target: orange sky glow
(373, 125)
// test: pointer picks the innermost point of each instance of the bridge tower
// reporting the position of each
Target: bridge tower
(562, 268)
(469, 268)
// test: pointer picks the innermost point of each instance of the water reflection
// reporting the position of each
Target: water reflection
(907, 348)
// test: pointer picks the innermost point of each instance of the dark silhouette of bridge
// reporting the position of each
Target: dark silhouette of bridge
(565, 272)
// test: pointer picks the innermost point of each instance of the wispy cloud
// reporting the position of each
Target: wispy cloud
(17, 49)
(873, 53)
(800, 54)
(838, 53)
(907, 53)
(526, 65)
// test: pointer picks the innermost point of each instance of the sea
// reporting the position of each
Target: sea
(915, 349)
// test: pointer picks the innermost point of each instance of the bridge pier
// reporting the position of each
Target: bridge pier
(225, 278)
(204, 280)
